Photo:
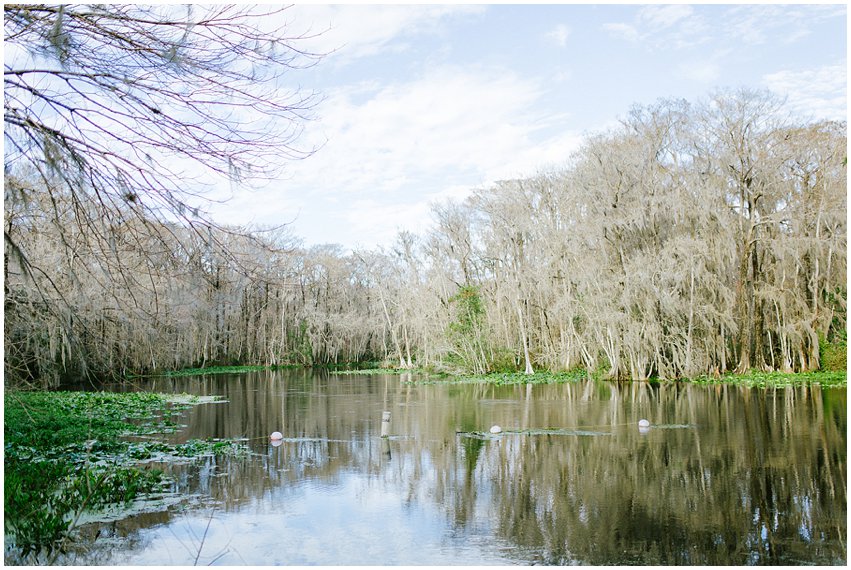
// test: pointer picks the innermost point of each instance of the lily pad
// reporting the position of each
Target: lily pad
(536, 431)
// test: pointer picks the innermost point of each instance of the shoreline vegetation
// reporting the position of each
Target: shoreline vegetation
(753, 379)
(72, 454)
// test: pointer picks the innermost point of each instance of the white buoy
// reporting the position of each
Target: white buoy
(276, 436)
(643, 424)
(496, 429)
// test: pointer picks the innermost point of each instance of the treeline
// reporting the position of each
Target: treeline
(691, 239)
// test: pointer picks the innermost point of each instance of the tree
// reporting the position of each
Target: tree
(115, 116)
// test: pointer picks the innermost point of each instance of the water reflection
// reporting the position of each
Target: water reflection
(724, 475)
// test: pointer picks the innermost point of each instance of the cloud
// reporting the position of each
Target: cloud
(559, 35)
(817, 93)
(392, 149)
(663, 27)
(759, 24)
(350, 31)
(448, 120)
(661, 17)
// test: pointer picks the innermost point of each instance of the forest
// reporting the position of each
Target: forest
(694, 238)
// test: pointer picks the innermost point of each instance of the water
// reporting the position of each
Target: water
(724, 475)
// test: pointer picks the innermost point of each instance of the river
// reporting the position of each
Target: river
(723, 475)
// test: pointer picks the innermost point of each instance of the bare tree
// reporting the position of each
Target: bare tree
(114, 113)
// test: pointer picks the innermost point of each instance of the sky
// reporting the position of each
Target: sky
(421, 104)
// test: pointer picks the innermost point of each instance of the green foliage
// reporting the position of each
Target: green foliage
(509, 378)
(470, 313)
(833, 356)
(754, 379)
(467, 331)
(837, 303)
(225, 370)
(504, 360)
(377, 371)
(303, 351)
(836, 379)
(64, 454)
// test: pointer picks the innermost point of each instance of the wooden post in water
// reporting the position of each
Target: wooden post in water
(385, 424)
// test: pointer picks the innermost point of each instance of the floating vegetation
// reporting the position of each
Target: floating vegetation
(370, 371)
(149, 503)
(827, 379)
(511, 378)
(69, 455)
(376, 371)
(534, 431)
(226, 370)
(672, 426)
(309, 440)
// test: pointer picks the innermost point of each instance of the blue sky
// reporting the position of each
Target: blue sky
(426, 103)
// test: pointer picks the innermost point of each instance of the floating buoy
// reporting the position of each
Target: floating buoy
(643, 424)
(496, 429)
(276, 436)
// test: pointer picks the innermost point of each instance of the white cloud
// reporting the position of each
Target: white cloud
(559, 35)
(759, 24)
(664, 27)
(817, 93)
(448, 120)
(661, 17)
(394, 149)
(353, 31)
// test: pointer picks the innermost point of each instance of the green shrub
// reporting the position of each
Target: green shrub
(833, 356)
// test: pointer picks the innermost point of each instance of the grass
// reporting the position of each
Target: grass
(66, 454)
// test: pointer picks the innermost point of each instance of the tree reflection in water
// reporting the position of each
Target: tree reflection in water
(725, 475)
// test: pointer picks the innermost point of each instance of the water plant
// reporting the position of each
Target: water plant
(66, 454)
(226, 370)
(378, 371)
(510, 378)
(828, 379)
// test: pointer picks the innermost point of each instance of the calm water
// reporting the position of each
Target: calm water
(725, 476)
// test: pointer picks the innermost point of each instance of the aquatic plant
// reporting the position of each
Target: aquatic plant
(65, 454)
(828, 379)
(377, 371)
(510, 378)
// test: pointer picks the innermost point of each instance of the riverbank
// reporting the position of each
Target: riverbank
(67, 453)
(829, 379)
(754, 379)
